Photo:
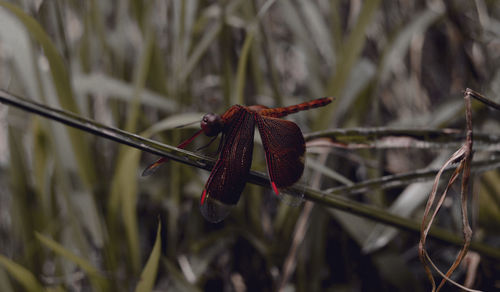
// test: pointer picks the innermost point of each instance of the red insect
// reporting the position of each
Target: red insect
(283, 144)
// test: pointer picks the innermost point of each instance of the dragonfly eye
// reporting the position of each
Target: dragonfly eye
(211, 124)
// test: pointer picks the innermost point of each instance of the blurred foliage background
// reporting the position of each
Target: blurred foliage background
(75, 215)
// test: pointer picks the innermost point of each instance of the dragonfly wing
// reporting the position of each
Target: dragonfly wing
(285, 147)
(229, 175)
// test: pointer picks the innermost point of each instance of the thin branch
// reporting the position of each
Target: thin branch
(117, 135)
(478, 96)
(400, 179)
(434, 136)
(189, 158)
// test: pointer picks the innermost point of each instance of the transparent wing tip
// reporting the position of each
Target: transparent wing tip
(291, 196)
(153, 167)
(213, 210)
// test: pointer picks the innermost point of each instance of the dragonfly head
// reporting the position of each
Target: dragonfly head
(211, 124)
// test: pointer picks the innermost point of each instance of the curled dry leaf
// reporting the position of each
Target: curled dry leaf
(463, 156)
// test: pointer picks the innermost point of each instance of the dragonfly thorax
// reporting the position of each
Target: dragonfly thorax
(211, 124)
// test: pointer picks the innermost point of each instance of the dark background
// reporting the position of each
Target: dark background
(148, 66)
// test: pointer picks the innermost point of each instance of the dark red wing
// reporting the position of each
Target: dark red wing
(285, 147)
(229, 175)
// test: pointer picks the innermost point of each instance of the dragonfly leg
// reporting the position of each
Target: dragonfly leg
(205, 146)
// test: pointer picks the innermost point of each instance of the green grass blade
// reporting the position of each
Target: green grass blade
(21, 274)
(105, 85)
(242, 67)
(60, 76)
(350, 53)
(5, 282)
(124, 183)
(123, 199)
(149, 272)
(98, 281)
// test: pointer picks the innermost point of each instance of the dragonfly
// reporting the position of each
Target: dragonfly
(283, 143)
